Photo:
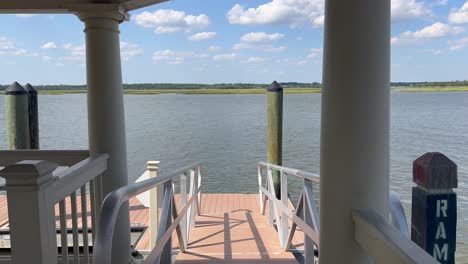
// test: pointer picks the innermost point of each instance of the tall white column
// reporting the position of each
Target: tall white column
(106, 118)
(355, 122)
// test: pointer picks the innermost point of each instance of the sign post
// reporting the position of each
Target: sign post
(434, 206)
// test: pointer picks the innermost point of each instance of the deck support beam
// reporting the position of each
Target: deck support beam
(355, 122)
(106, 118)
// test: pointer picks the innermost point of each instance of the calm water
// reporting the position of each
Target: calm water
(228, 134)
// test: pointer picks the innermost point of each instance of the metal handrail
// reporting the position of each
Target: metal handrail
(114, 200)
(292, 172)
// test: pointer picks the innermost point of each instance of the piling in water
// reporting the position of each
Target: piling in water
(33, 116)
(17, 117)
(275, 131)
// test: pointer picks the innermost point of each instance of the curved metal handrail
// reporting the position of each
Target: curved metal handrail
(111, 206)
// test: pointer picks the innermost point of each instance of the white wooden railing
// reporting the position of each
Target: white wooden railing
(170, 220)
(387, 241)
(38, 195)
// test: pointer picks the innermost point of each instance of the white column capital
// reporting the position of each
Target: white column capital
(152, 165)
(102, 12)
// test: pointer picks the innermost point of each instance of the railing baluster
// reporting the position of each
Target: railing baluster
(63, 231)
(260, 187)
(183, 202)
(166, 219)
(191, 212)
(93, 209)
(270, 201)
(312, 207)
(308, 242)
(74, 215)
(284, 202)
(199, 179)
(84, 223)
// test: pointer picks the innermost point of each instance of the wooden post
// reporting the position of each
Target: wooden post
(17, 117)
(275, 131)
(434, 206)
(33, 116)
(155, 203)
(32, 217)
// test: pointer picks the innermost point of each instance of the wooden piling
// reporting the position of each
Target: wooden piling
(275, 131)
(17, 119)
(33, 115)
(434, 206)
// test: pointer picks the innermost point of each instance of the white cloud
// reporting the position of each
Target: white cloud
(409, 9)
(169, 21)
(227, 56)
(254, 60)
(202, 36)
(265, 48)
(214, 48)
(176, 57)
(75, 54)
(8, 47)
(459, 16)
(129, 50)
(290, 12)
(261, 37)
(49, 45)
(314, 53)
(459, 44)
(46, 58)
(436, 30)
(292, 61)
(25, 15)
(300, 12)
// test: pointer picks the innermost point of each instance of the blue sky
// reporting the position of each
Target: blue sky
(214, 41)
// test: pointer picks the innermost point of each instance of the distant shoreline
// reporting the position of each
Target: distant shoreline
(254, 90)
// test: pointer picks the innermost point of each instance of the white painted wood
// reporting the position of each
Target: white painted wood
(275, 202)
(311, 205)
(355, 122)
(63, 231)
(32, 219)
(183, 202)
(284, 202)
(74, 216)
(386, 244)
(93, 209)
(260, 195)
(309, 245)
(298, 212)
(61, 157)
(84, 220)
(152, 169)
(106, 117)
(71, 179)
(199, 183)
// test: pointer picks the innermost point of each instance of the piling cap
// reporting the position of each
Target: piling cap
(275, 87)
(435, 171)
(30, 89)
(15, 89)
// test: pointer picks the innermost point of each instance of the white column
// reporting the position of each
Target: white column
(106, 118)
(355, 122)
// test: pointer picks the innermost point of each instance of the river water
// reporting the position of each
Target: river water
(227, 133)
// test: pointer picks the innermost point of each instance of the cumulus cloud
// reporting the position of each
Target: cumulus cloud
(129, 50)
(261, 37)
(176, 57)
(459, 16)
(214, 48)
(300, 12)
(254, 60)
(459, 44)
(409, 9)
(169, 21)
(265, 48)
(49, 45)
(8, 47)
(227, 56)
(290, 12)
(314, 53)
(436, 30)
(202, 36)
(74, 54)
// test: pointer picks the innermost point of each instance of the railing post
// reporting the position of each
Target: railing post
(31, 217)
(199, 175)
(284, 201)
(155, 203)
(434, 206)
(275, 131)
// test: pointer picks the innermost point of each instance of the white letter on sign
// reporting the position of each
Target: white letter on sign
(440, 254)
(442, 207)
(441, 231)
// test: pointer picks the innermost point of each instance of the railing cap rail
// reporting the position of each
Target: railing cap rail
(293, 172)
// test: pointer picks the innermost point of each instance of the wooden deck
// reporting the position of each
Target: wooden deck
(230, 229)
